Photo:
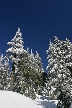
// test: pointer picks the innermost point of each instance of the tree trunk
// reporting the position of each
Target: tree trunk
(12, 77)
(37, 90)
(12, 74)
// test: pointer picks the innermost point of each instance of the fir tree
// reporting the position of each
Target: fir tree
(40, 71)
(58, 72)
(4, 73)
(32, 78)
(64, 98)
(27, 72)
(14, 54)
(1, 72)
(39, 63)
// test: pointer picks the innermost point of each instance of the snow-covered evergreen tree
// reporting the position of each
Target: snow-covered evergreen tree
(4, 73)
(33, 79)
(1, 72)
(15, 53)
(33, 65)
(57, 70)
(27, 72)
(64, 98)
(39, 63)
(26, 68)
(36, 66)
(40, 71)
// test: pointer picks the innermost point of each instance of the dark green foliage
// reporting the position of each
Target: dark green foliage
(64, 99)
(44, 78)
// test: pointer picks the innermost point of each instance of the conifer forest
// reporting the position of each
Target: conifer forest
(22, 71)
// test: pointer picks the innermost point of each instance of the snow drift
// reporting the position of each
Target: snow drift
(10, 99)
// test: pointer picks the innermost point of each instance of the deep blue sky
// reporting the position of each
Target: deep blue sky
(39, 21)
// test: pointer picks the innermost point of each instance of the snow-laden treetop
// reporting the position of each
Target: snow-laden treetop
(16, 43)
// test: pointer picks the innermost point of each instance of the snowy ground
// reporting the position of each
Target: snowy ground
(10, 99)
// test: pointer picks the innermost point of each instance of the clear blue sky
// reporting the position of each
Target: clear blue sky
(39, 21)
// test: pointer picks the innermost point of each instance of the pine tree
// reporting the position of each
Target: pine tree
(58, 72)
(4, 73)
(35, 75)
(15, 53)
(33, 64)
(40, 71)
(64, 98)
(27, 72)
(1, 72)
(32, 78)
(39, 63)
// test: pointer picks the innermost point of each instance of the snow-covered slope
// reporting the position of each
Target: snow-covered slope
(10, 99)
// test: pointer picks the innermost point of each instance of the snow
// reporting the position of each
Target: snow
(9, 99)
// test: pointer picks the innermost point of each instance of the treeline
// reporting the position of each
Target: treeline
(27, 76)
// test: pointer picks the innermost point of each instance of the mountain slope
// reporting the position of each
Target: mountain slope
(10, 99)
